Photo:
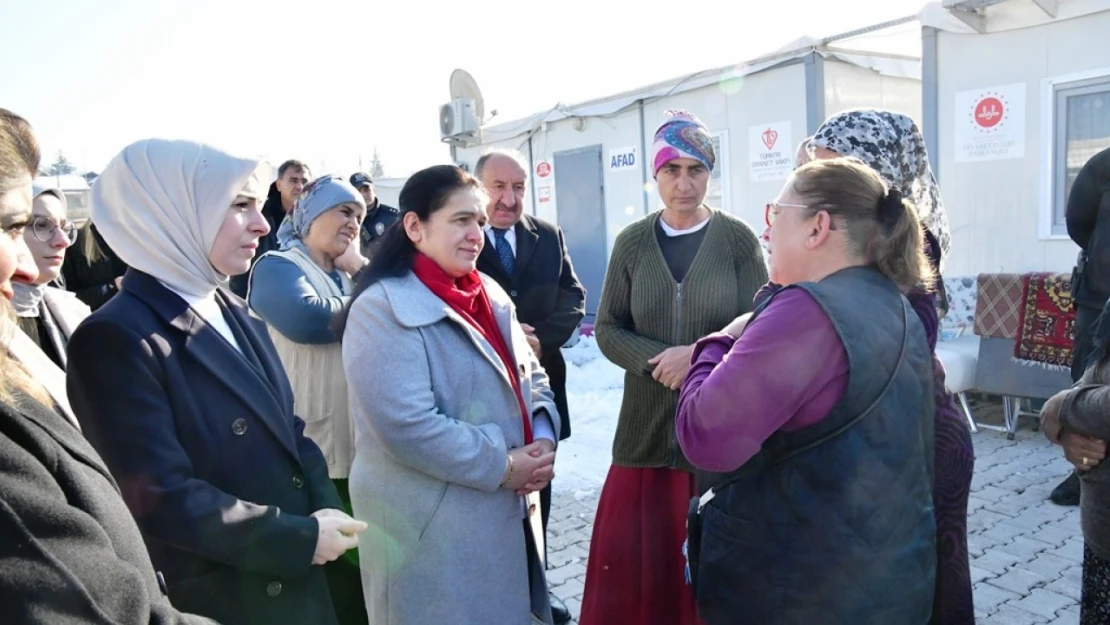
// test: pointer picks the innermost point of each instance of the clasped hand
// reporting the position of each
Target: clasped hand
(533, 340)
(338, 533)
(671, 366)
(532, 467)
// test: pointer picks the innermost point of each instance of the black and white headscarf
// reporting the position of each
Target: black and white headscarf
(893, 146)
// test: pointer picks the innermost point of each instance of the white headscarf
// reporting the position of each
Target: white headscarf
(159, 205)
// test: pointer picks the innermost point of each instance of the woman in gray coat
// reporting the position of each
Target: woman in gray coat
(455, 424)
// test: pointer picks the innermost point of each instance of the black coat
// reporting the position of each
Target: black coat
(378, 218)
(93, 282)
(71, 552)
(547, 294)
(1088, 219)
(210, 458)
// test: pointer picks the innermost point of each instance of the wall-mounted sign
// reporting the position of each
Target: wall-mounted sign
(770, 151)
(990, 123)
(544, 170)
(624, 158)
(543, 194)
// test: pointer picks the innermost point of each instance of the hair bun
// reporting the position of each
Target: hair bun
(891, 208)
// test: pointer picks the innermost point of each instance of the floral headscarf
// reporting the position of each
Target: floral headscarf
(892, 145)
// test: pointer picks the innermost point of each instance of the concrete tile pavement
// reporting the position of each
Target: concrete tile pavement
(1025, 552)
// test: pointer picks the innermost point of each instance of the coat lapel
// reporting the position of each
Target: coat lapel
(415, 305)
(212, 351)
(69, 438)
(526, 239)
(255, 332)
(41, 368)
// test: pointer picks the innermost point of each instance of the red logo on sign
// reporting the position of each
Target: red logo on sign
(989, 112)
(770, 136)
(543, 169)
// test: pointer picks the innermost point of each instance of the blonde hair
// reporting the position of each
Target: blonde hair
(89, 247)
(13, 376)
(879, 224)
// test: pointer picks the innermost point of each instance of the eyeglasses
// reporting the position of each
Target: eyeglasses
(772, 209)
(43, 229)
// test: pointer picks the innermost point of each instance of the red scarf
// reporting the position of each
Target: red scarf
(467, 296)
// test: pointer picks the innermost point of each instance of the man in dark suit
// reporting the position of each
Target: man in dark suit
(528, 258)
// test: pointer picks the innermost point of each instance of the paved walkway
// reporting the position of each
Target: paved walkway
(1025, 551)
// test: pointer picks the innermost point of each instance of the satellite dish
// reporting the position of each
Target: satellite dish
(463, 85)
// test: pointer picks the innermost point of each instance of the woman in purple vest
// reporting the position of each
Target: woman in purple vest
(814, 414)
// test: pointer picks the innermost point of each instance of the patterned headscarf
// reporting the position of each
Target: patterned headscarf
(322, 195)
(682, 136)
(891, 144)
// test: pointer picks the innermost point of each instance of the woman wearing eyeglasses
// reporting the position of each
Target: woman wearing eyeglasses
(814, 414)
(48, 314)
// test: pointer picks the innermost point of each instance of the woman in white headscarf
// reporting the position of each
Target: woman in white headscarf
(48, 314)
(182, 393)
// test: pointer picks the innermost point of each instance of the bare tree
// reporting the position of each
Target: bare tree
(60, 167)
(376, 168)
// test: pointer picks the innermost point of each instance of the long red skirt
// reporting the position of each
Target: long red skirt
(636, 571)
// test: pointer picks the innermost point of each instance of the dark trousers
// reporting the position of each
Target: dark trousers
(1085, 321)
(545, 513)
(344, 579)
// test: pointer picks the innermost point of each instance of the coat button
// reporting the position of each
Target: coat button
(512, 293)
(239, 427)
(162, 583)
(298, 481)
(273, 589)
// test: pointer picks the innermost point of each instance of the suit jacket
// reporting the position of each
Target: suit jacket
(71, 552)
(547, 294)
(433, 428)
(210, 458)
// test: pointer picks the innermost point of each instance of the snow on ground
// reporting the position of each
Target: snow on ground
(594, 387)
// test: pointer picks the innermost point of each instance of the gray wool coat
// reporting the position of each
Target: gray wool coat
(435, 416)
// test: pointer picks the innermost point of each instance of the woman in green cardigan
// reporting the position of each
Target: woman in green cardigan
(673, 277)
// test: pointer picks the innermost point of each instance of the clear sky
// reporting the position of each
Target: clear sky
(331, 80)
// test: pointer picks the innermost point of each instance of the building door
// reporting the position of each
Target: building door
(580, 202)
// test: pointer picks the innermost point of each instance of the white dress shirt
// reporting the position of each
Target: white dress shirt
(510, 236)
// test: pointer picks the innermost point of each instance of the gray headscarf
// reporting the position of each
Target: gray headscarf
(891, 144)
(322, 195)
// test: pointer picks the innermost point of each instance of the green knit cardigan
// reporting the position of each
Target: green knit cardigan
(643, 311)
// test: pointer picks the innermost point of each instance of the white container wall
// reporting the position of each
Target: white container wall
(850, 86)
(594, 154)
(1043, 94)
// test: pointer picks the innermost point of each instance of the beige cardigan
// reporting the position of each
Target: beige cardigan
(316, 375)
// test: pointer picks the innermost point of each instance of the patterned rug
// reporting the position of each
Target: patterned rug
(1046, 321)
(996, 305)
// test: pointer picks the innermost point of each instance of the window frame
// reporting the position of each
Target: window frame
(1054, 94)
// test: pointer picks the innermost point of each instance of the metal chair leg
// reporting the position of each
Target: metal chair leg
(1013, 408)
(967, 412)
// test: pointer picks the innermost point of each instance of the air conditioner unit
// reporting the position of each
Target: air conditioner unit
(457, 121)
